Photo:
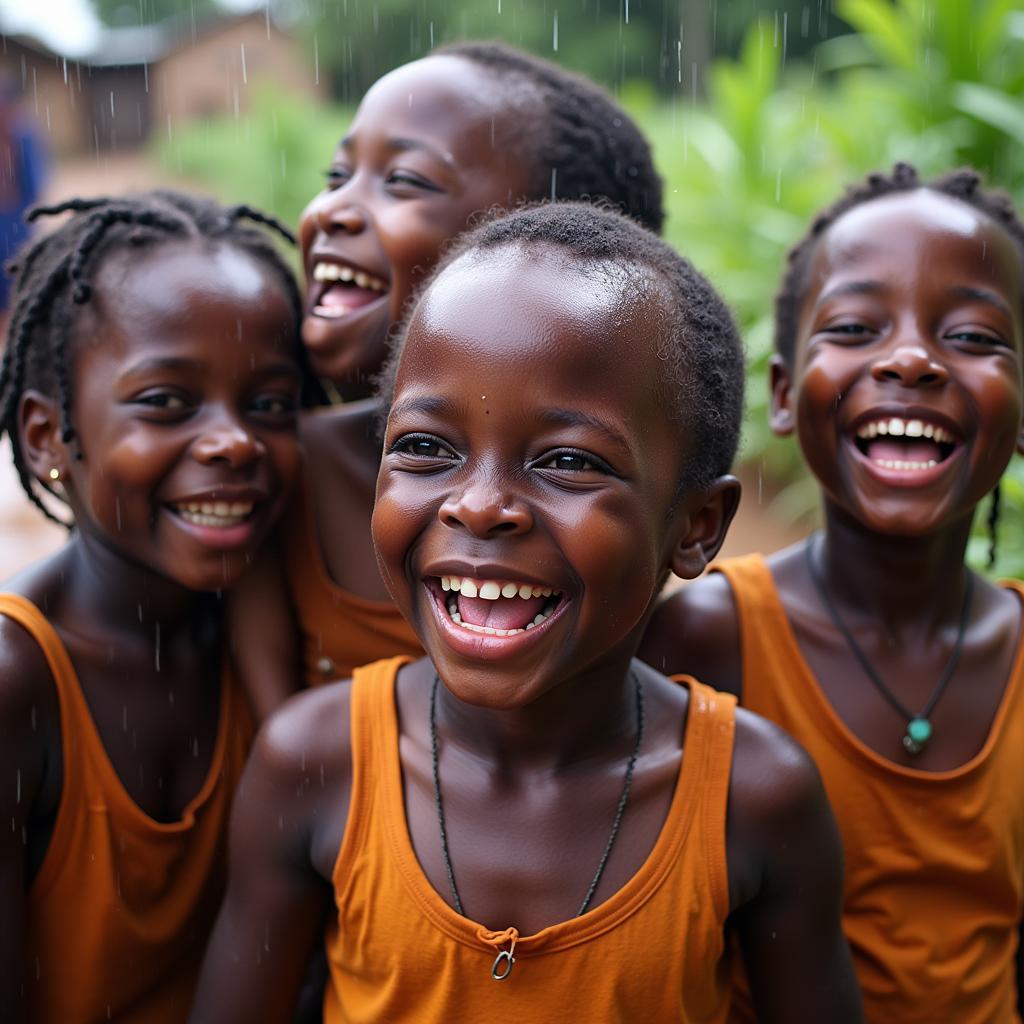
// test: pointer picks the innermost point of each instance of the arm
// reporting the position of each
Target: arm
(264, 635)
(696, 631)
(785, 861)
(286, 831)
(27, 709)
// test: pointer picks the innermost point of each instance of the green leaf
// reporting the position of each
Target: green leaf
(884, 28)
(991, 106)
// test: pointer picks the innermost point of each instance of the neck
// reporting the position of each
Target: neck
(579, 720)
(897, 579)
(113, 594)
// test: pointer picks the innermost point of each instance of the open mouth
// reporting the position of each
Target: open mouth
(497, 607)
(219, 514)
(904, 444)
(341, 289)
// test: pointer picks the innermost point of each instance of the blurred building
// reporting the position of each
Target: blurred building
(147, 79)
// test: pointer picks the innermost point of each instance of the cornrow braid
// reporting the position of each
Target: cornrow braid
(55, 274)
(964, 184)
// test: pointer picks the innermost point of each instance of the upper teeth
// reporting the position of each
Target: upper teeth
(215, 513)
(491, 590)
(339, 272)
(894, 426)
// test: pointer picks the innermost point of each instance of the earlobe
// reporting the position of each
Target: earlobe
(781, 419)
(39, 427)
(706, 528)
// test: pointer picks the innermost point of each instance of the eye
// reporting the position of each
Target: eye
(400, 179)
(573, 460)
(163, 400)
(275, 405)
(337, 176)
(423, 447)
(850, 331)
(976, 338)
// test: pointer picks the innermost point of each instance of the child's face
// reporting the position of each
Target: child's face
(184, 401)
(905, 391)
(527, 448)
(428, 148)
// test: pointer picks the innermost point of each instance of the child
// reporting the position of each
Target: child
(432, 144)
(525, 532)
(151, 382)
(898, 328)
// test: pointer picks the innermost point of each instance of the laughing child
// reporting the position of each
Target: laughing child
(150, 383)
(899, 338)
(528, 823)
(432, 144)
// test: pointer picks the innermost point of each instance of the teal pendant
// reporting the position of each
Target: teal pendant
(919, 732)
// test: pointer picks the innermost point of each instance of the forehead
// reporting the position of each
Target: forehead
(448, 100)
(534, 317)
(914, 228)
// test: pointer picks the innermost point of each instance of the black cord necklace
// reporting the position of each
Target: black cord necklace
(503, 963)
(919, 727)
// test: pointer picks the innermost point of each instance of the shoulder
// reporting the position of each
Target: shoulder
(696, 631)
(300, 772)
(776, 800)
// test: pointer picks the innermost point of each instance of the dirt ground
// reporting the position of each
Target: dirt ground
(26, 536)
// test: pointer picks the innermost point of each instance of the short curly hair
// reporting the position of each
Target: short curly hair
(55, 274)
(699, 344)
(589, 148)
(964, 184)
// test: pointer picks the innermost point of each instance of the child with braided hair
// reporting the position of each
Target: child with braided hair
(151, 382)
(900, 339)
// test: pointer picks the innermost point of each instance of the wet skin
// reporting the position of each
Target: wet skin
(430, 146)
(912, 309)
(185, 389)
(566, 484)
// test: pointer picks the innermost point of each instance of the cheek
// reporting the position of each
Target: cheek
(308, 225)
(401, 510)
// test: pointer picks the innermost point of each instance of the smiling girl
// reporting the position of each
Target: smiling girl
(432, 144)
(528, 823)
(151, 383)
(899, 337)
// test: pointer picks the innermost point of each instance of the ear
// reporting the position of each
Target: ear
(782, 419)
(41, 445)
(705, 528)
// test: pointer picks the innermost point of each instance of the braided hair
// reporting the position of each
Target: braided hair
(964, 184)
(588, 146)
(54, 275)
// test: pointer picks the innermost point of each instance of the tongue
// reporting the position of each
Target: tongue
(916, 450)
(505, 613)
(348, 296)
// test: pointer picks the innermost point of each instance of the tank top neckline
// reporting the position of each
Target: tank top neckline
(309, 538)
(563, 934)
(787, 638)
(69, 692)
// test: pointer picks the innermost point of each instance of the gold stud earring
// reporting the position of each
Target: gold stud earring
(55, 474)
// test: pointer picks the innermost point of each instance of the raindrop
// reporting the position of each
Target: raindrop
(157, 659)
(117, 513)
(17, 796)
(245, 77)
(554, 181)
(316, 55)
(554, 37)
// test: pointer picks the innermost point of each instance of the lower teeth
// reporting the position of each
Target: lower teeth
(455, 616)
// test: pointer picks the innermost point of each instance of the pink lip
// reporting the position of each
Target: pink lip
(482, 646)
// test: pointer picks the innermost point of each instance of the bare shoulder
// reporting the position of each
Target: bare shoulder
(696, 631)
(300, 770)
(353, 425)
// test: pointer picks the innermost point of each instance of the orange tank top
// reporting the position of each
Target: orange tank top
(934, 860)
(340, 630)
(121, 908)
(654, 951)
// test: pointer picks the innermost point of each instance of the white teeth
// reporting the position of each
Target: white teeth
(469, 588)
(215, 513)
(882, 428)
(525, 590)
(338, 272)
(509, 590)
(901, 464)
(445, 585)
(489, 591)
(895, 427)
(915, 428)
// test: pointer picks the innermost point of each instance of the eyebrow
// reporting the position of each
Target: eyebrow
(966, 291)
(427, 403)
(852, 288)
(177, 364)
(403, 144)
(575, 418)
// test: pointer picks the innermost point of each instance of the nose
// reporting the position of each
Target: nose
(911, 365)
(341, 211)
(485, 511)
(227, 441)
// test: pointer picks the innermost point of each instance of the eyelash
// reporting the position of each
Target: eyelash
(591, 462)
(403, 446)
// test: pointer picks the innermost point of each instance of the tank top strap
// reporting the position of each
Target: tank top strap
(706, 771)
(373, 731)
